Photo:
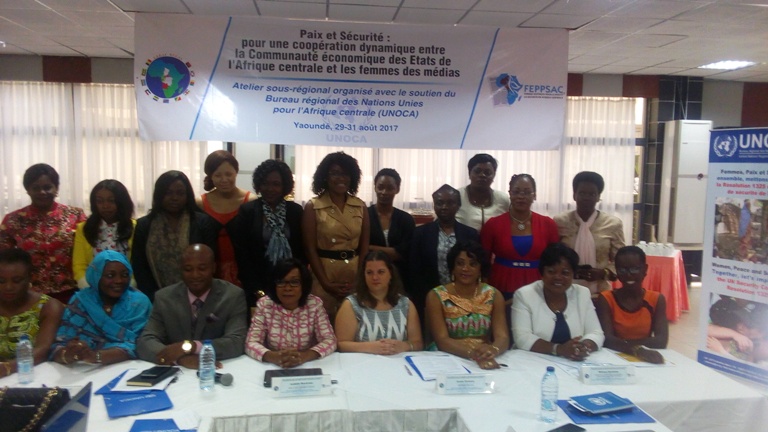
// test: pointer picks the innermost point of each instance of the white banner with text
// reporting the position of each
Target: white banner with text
(351, 84)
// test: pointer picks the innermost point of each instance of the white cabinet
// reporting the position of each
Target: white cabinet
(684, 183)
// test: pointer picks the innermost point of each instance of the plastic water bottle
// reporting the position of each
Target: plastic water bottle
(207, 366)
(25, 361)
(549, 396)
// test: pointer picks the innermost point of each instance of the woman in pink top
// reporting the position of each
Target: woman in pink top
(290, 326)
(222, 203)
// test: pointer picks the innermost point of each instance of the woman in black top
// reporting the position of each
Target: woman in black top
(391, 228)
(266, 230)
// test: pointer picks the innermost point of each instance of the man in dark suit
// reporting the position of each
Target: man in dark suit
(430, 245)
(193, 310)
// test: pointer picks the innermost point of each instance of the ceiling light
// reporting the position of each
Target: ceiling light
(727, 65)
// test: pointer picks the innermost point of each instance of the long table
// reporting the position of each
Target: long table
(684, 397)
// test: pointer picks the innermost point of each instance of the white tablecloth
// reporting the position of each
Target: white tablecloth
(683, 397)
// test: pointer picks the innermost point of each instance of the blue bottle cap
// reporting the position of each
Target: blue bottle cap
(207, 342)
(550, 368)
(24, 337)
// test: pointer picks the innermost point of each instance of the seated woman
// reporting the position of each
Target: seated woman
(109, 227)
(634, 319)
(290, 326)
(102, 322)
(466, 316)
(378, 318)
(23, 311)
(554, 315)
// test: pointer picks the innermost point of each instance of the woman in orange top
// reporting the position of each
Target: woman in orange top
(222, 203)
(634, 319)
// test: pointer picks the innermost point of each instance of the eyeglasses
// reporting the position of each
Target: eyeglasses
(524, 193)
(628, 270)
(282, 283)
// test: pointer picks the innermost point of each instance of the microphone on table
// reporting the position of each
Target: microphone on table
(223, 379)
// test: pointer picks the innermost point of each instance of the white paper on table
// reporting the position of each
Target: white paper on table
(430, 366)
(122, 385)
(609, 356)
(186, 419)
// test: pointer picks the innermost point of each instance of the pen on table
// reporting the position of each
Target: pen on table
(407, 370)
(503, 365)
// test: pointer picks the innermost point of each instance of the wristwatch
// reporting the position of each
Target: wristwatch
(554, 349)
(98, 357)
(187, 347)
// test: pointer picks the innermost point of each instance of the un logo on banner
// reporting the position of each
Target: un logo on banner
(725, 145)
(511, 85)
(167, 78)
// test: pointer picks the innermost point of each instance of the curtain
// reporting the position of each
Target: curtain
(88, 133)
(35, 126)
(600, 137)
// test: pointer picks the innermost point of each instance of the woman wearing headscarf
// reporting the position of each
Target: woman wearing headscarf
(102, 322)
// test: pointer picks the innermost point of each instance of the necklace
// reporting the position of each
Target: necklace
(520, 223)
(456, 291)
(108, 309)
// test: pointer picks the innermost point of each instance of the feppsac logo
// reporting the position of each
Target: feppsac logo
(516, 91)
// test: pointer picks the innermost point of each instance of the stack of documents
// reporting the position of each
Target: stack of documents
(605, 408)
(122, 400)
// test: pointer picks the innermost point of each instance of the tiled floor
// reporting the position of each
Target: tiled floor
(684, 334)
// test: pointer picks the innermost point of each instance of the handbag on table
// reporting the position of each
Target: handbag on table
(27, 409)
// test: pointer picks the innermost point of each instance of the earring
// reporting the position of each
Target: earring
(452, 277)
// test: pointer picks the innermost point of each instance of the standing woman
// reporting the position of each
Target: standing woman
(172, 224)
(479, 201)
(109, 227)
(336, 229)
(378, 318)
(594, 235)
(517, 238)
(222, 203)
(45, 229)
(431, 243)
(268, 230)
(23, 311)
(391, 228)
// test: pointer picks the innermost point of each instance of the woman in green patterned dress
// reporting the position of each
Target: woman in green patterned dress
(466, 317)
(23, 312)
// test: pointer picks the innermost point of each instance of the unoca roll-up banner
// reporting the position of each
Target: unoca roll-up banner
(352, 84)
(734, 303)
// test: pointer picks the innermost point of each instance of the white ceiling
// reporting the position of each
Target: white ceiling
(643, 37)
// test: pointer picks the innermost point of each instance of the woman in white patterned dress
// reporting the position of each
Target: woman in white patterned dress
(378, 318)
